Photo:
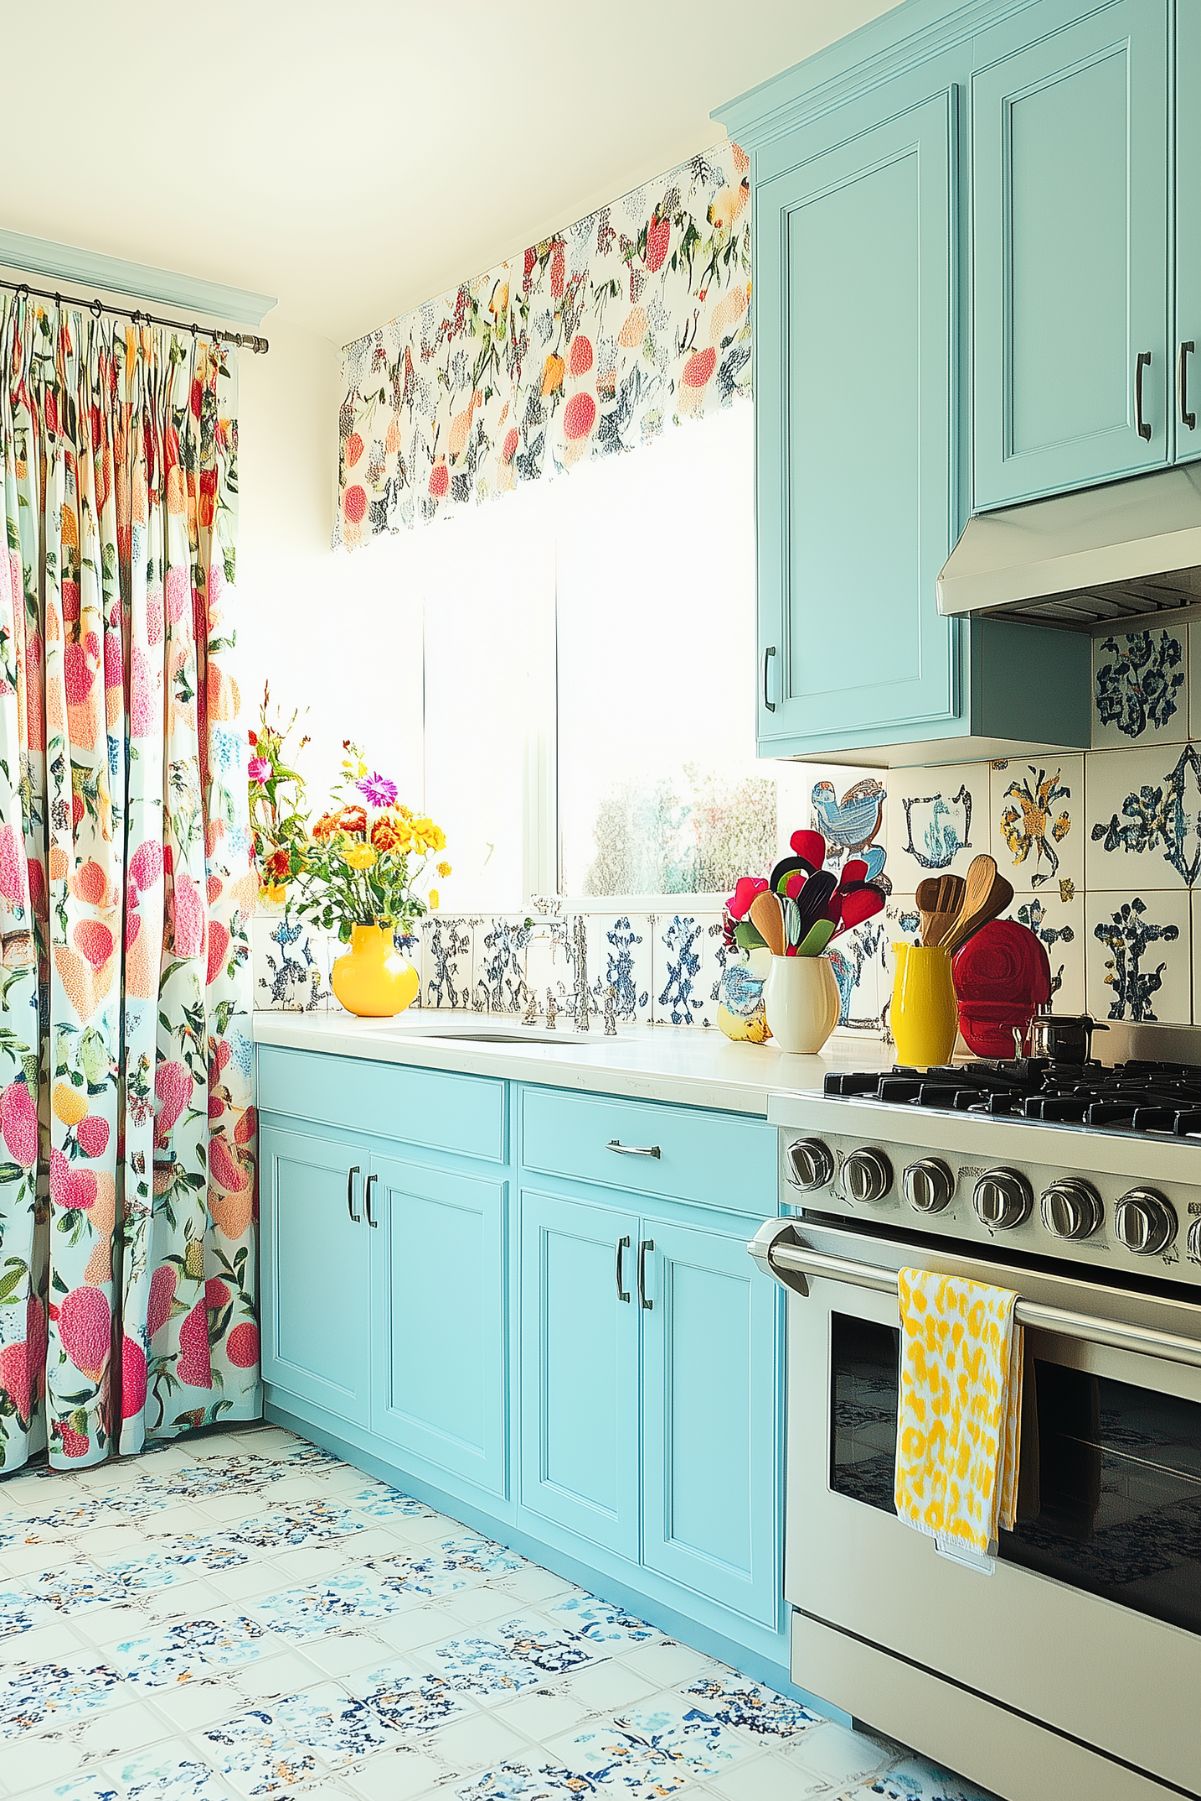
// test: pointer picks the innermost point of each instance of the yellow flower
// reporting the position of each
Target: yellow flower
(360, 856)
(443, 870)
(434, 903)
(277, 892)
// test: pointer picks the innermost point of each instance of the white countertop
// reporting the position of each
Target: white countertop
(685, 1064)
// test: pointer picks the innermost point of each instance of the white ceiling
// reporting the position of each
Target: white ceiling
(355, 159)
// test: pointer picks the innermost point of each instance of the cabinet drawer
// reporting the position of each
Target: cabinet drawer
(713, 1159)
(462, 1114)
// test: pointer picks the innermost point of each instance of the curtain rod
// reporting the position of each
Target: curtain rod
(245, 340)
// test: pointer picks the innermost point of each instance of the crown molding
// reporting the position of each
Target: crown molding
(89, 270)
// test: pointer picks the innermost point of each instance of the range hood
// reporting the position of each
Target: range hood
(1125, 551)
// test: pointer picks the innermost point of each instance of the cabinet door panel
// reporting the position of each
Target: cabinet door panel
(315, 1271)
(1187, 399)
(710, 1386)
(855, 396)
(579, 1369)
(1070, 249)
(439, 1344)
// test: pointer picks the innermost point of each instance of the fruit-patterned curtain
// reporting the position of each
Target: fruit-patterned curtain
(127, 1268)
(588, 343)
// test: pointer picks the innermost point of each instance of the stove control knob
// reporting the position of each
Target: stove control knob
(928, 1185)
(1145, 1222)
(1002, 1199)
(1072, 1208)
(1194, 1241)
(812, 1163)
(868, 1175)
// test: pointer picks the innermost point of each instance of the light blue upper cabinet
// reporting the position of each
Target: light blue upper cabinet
(1187, 395)
(315, 1254)
(439, 1344)
(855, 243)
(1070, 248)
(579, 1368)
(709, 1407)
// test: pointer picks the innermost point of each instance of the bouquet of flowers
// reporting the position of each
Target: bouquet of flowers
(365, 858)
(278, 814)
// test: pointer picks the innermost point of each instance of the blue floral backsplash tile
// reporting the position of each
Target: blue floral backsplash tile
(1140, 686)
(1103, 849)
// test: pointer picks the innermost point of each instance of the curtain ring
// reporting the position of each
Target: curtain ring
(95, 309)
(135, 318)
(238, 339)
(195, 329)
(23, 288)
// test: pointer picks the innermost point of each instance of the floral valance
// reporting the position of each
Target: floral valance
(587, 343)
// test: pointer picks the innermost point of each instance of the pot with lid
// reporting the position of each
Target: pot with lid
(1061, 1037)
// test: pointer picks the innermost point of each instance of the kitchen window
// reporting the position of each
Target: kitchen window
(589, 679)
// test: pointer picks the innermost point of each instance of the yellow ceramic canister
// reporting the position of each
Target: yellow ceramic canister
(924, 1018)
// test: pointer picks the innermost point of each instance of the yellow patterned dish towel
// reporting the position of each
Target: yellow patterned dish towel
(958, 1437)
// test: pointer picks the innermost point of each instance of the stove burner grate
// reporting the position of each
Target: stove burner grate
(1139, 1096)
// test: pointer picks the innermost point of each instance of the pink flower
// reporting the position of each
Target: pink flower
(258, 769)
(13, 876)
(377, 790)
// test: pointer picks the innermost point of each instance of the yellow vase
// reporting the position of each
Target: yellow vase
(924, 1017)
(372, 979)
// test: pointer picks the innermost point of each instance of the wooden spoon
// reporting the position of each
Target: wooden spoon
(937, 919)
(767, 917)
(986, 894)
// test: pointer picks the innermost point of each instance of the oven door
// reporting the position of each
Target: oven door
(1089, 1618)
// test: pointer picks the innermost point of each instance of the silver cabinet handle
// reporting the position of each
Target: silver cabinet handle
(1186, 350)
(355, 1218)
(633, 1150)
(646, 1246)
(1142, 426)
(371, 1219)
(623, 1244)
(768, 703)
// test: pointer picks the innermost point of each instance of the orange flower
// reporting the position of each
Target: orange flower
(352, 819)
(326, 826)
(552, 374)
(276, 866)
(385, 834)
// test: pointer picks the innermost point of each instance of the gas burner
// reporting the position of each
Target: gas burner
(1154, 1098)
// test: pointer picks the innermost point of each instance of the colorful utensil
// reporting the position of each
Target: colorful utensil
(811, 846)
(817, 938)
(767, 917)
(788, 866)
(814, 899)
(861, 904)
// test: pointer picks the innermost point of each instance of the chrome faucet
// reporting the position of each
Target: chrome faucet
(579, 1012)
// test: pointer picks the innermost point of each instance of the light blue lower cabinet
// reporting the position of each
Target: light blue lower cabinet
(439, 1373)
(579, 1368)
(316, 1342)
(710, 1405)
(592, 1374)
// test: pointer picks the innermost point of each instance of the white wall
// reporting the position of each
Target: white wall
(330, 632)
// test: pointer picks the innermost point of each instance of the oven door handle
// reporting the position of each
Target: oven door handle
(792, 1263)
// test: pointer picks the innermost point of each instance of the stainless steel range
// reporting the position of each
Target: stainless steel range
(1070, 1664)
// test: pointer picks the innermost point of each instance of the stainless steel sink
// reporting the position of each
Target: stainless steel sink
(483, 1036)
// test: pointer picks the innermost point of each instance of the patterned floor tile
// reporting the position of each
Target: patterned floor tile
(290, 1627)
(269, 1750)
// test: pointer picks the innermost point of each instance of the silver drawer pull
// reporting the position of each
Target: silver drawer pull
(633, 1150)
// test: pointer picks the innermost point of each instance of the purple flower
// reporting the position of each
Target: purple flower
(377, 790)
(258, 769)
